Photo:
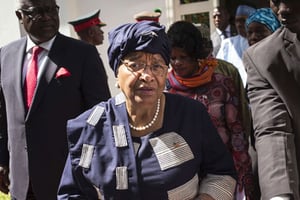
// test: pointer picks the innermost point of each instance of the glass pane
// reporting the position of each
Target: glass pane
(201, 20)
(197, 18)
(190, 1)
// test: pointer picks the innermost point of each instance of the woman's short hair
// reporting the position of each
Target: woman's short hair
(185, 35)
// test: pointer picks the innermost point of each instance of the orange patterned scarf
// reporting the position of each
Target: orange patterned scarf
(202, 76)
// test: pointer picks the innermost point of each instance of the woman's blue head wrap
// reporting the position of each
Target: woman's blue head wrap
(145, 36)
(264, 16)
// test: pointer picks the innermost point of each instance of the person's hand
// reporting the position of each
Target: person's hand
(4, 180)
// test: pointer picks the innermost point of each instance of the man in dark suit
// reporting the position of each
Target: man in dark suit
(273, 67)
(70, 79)
(224, 29)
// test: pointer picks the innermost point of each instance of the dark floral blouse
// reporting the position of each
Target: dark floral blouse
(221, 100)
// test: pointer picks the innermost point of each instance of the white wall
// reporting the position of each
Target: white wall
(9, 25)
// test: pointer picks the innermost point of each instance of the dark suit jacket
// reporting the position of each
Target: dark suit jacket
(37, 145)
(216, 39)
(273, 68)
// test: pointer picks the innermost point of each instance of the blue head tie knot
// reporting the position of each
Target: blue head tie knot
(266, 17)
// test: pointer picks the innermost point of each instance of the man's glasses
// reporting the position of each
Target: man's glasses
(156, 68)
(35, 13)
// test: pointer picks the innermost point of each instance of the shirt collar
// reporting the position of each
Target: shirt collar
(45, 45)
(227, 30)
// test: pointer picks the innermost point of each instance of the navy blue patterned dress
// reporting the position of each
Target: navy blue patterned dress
(106, 162)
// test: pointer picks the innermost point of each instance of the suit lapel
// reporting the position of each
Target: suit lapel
(292, 58)
(17, 71)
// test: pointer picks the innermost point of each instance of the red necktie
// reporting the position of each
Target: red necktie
(31, 76)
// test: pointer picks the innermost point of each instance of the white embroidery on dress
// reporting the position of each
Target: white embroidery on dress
(171, 150)
(120, 98)
(120, 136)
(86, 156)
(95, 116)
(218, 186)
(122, 178)
(189, 190)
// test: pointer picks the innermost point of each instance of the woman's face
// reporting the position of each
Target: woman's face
(183, 65)
(256, 32)
(142, 77)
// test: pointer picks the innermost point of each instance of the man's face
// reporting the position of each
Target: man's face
(240, 25)
(39, 18)
(289, 13)
(221, 18)
(274, 8)
(97, 35)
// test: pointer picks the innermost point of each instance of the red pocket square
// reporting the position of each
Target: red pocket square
(62, 72)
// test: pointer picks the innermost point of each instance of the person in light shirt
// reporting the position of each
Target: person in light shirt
(232, 48)
(224, 28)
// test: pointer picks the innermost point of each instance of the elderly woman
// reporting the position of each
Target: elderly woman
(260, 24)
(145, 144)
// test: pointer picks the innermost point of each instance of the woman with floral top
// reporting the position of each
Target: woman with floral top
(194, 75)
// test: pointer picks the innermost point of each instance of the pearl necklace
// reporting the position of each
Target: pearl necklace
(142, 128)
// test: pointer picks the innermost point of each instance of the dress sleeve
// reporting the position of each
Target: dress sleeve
(73, 184)
(218, 186)
(239, 144)
(220, 174)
